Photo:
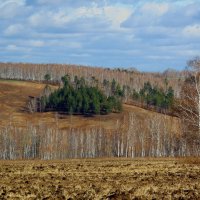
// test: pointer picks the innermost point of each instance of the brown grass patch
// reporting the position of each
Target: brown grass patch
(190, 160)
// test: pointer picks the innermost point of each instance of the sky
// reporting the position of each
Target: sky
(150, 35)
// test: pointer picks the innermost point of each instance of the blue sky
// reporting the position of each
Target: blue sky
(146, 34)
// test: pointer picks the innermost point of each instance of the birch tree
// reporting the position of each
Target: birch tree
(189, 107)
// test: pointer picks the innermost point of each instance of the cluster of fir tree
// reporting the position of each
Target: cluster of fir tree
(154, 96)
(78, 98)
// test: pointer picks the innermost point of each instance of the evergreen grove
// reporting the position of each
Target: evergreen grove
(79, 98)
(154, 96)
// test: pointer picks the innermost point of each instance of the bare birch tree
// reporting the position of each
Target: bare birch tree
(189, 106)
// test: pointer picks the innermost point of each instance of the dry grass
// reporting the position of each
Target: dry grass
(190, 160)
(99, 179)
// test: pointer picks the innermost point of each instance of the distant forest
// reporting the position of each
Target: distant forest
(130, 79)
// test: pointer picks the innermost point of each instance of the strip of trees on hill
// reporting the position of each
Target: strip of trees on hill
(76, 97)
(79, 98)
(153, 97)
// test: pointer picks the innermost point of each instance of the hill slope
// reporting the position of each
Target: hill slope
(14, 96)
(135, 132)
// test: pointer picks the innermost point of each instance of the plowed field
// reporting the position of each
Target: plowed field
(100, 179)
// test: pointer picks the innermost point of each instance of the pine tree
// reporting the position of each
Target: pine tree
(82, 99)
(47, 77)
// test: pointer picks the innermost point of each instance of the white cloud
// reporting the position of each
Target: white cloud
(38, 18)
(188, 52)
(15, 48)
(51, 19)
(12, 47)
(117, 15)
(36, 43)
(148, 14)
(75, 45)
(159, 57)
(7, 2)
(9, 9)
(49, 1)
(14, 29)
(113, 15)
(87, 12)
(157, 9)
(192, 31)
(80, 55)
(50, 43)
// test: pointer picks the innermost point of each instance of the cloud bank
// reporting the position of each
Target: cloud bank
(150, 35)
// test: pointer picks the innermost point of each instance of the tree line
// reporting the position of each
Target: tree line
(126, 77)
(131, 137)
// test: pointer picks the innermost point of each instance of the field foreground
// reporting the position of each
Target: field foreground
(100, 179)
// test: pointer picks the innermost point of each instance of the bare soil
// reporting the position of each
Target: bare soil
(100, 179)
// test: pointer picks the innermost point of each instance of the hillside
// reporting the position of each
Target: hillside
(14, 96)
(133, 133)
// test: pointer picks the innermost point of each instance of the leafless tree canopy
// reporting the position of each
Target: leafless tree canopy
(189, 103)
(128, 77)
(130, 138)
